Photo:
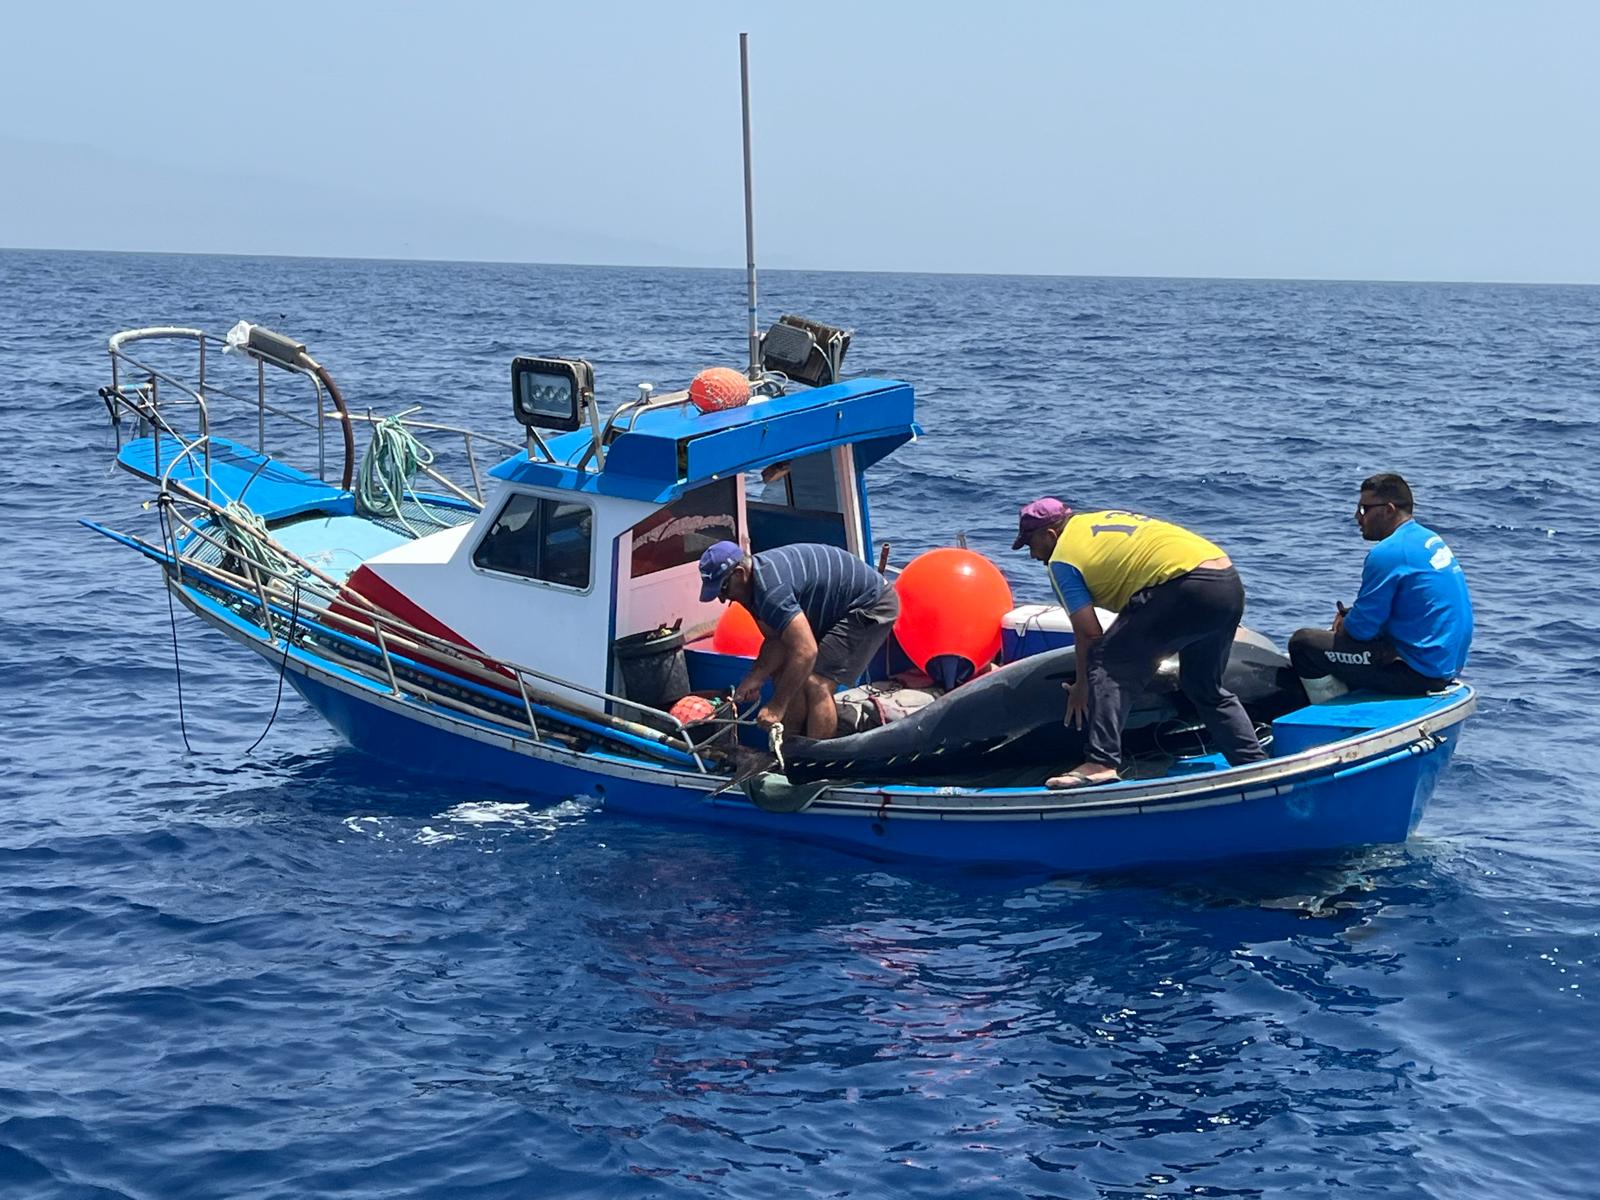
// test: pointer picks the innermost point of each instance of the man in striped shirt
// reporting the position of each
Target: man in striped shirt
(822, 612)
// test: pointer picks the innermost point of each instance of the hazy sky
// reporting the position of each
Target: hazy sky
(1393, 140)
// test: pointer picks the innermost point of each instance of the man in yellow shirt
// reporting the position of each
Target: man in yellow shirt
(1172, 590)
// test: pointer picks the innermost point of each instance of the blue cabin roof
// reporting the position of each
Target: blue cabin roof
(675, 448)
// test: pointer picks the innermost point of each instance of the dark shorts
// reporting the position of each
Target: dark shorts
(844, 651)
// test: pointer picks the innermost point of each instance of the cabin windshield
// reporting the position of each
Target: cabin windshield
(800, 500)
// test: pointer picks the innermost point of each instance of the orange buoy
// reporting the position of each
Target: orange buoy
(951, 604)
(717, 388)
(737, 633)
(693, 708)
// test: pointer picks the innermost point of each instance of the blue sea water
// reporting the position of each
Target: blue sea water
(299, 972)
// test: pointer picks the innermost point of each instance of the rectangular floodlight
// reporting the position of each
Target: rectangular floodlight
(806, 351)
(549, 393)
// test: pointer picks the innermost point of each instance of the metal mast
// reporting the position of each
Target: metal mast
(749, 206)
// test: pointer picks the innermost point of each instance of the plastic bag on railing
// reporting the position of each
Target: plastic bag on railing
(236, 339)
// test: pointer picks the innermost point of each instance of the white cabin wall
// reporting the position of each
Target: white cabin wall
(662, 598)
(558, 631)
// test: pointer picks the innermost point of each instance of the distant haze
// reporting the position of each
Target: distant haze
(1448, 141)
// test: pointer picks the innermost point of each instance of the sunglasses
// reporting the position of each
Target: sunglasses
(1363, 509)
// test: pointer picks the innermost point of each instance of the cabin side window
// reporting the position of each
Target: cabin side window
(539, 538)
(798, 500)
(686, 528)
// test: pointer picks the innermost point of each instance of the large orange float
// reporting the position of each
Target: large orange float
(951, 603)
(737, 633)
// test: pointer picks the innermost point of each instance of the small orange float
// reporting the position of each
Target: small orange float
(717, 388)
(693, 708)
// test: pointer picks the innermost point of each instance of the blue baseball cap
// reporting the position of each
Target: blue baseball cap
(715, 564)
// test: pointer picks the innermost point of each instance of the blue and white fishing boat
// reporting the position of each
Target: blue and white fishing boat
(531, 625)
(508, 630)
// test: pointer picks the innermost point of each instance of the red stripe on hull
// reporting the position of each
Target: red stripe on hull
(378, 591)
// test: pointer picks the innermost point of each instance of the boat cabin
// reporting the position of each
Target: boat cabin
(594, 532)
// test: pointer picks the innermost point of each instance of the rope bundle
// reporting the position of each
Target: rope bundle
(247, 533)
(393, 456)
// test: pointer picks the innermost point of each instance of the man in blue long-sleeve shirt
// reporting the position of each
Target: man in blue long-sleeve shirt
(1409, 629)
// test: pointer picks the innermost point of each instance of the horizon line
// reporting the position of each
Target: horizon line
(494, 262)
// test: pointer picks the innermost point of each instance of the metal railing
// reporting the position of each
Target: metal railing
(271, 587)
(145, 402)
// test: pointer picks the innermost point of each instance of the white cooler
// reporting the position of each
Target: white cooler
(1035, 628)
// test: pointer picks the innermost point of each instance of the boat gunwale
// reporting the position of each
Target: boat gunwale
(1264, 780)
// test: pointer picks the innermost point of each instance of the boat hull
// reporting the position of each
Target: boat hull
(1371, 801)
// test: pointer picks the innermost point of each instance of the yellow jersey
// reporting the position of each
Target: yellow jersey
(1116, 554)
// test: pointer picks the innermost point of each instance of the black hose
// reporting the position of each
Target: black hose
(162, 501)
(283, 666)
(173, 570)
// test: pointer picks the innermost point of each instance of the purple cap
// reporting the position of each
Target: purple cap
(1045, 511)
(715, 564)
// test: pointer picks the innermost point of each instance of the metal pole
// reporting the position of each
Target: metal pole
(527, 705)
(383, 649)
(598, 439)
(205, 416)
(116, 422)
(472, 461)
(749, 205)
(155, 425)
(322, 445)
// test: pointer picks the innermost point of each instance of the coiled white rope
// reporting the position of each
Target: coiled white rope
(247, 533)
(393, 456)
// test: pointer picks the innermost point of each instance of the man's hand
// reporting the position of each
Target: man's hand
(747, 690)
(768, 717)
(1077, 704)
(1338, 617)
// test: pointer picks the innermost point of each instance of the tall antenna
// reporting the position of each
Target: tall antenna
(749, 206)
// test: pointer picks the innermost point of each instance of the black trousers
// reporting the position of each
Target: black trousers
(1373, 666)
(1196, 615)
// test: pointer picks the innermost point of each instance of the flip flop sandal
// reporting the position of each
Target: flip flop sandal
(1077, 778)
